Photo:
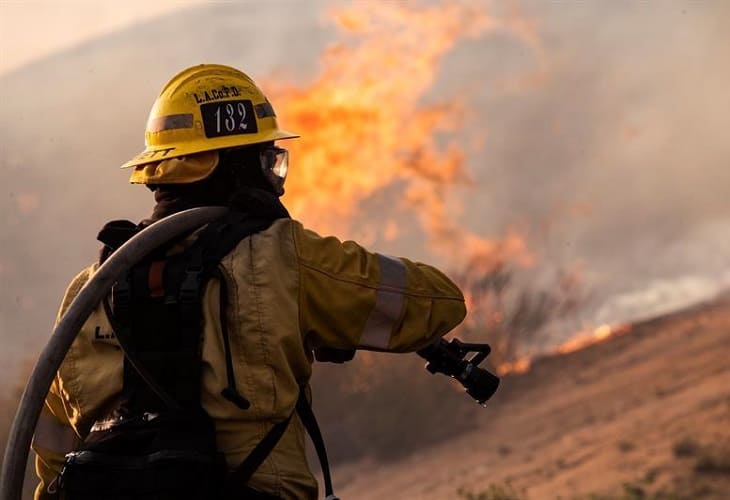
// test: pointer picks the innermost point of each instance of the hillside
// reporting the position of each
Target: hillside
(650, 409)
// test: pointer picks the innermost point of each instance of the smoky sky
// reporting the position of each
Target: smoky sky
(608, 146)
(616, 156)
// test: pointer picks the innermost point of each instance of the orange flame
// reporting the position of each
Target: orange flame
(579, 341)
(522, 365)
(582, 340)
(368, 135)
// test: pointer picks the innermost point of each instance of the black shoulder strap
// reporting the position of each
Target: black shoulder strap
(230, 392)
(306, 415)
(241, 474)
(213, 243)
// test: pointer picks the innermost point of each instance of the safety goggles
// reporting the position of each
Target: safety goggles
(275, 160)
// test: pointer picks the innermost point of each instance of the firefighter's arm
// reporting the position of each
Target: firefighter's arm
(354, 299)
(53, 438)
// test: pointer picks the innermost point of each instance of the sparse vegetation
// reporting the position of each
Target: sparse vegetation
(713, 461)
(633, 491)
(650, 476)
(685, 447)
(709, 459)
(626, 446)
(493, 492)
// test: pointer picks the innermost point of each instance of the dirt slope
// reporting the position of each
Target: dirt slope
(650, 408)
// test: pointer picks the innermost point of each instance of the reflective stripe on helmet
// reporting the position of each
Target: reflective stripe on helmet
(52, 435)
(389, 302)
(170, 122)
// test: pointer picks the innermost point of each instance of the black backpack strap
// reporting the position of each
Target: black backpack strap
(219, 238)
(240, 476)
(306, 415)
(230, 392)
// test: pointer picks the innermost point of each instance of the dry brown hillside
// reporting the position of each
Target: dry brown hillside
(644, 415)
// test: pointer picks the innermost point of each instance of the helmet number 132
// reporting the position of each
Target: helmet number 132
(230, 117)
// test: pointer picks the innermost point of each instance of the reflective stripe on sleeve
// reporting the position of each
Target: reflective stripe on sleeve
(388, 304)
(52, 435)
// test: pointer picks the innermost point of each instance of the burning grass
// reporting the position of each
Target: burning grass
(511, 315)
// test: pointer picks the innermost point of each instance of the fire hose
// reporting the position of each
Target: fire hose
(33, 398)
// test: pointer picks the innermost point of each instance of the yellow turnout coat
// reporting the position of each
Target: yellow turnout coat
(290, 291)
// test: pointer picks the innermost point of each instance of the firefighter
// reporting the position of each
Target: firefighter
(211, 139)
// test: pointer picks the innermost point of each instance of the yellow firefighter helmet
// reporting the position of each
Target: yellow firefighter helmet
(202, 109)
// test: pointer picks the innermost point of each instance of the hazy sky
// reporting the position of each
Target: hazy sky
(613, 162)
(31, 29)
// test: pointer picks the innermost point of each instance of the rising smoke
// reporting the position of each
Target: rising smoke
(597, 132)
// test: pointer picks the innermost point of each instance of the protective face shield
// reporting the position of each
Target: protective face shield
(275, 166)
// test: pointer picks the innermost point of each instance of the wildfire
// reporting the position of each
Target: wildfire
(372, 133)
(369, 136)
(520, 366)
(582, 340)
(579, 341)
